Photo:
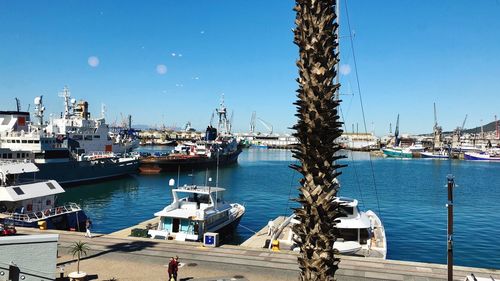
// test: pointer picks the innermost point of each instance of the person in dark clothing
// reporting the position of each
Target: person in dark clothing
(173, 265)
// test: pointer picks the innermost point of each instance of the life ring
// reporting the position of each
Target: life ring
(47, 212)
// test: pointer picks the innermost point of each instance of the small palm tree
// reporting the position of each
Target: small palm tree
(78, 249)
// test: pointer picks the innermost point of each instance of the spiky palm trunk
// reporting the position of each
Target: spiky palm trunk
(317, 128)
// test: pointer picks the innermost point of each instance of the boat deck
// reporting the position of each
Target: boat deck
(261, 240)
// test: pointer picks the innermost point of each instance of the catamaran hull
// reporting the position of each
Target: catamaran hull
(77, 172)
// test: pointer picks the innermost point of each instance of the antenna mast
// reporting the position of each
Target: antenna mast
(18, 104)
(68, 105)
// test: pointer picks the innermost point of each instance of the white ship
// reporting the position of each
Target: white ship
(22, 139)
(90, 135)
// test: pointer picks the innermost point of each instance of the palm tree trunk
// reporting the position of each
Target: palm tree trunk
(78, 264)
(317, 127)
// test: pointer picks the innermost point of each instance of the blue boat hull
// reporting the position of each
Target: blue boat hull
(480, 157)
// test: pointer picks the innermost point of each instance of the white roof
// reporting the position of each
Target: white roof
(361, 221)
(17, 168)
(20, 192)
(177, 213)
(198, 189)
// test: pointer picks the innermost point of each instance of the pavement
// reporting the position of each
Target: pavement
(131, 258)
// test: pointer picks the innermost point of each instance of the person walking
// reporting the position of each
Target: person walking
(173, 266)
(88, 226)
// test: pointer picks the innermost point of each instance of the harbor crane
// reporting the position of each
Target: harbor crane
(463, 124)
(267, 125)
(435, 117)
(437, 131)
(252, 122)
(396, 133)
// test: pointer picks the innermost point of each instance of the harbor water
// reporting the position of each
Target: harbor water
(409, 194)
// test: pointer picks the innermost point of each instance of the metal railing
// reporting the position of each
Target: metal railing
(45, 214)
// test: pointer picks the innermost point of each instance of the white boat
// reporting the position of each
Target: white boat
(194, 211)
(416, 147)
(28, 203)
(361, 233)
(57, 158)
(482, 156)
(86, 134)
(442, 154)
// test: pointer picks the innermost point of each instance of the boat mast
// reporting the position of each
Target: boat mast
(396, 133)
(67, 107)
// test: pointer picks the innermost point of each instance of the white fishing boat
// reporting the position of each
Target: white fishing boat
(194, 211)
(441, 154)
(33, 202)
(490, 155)
(417, 147)
(361, 233)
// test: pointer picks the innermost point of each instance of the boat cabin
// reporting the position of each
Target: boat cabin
(194, 211)
(355, 225)
(25, 197)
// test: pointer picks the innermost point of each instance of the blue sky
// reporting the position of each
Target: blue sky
(409, 55)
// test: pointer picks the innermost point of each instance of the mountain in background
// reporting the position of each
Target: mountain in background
(486, 128)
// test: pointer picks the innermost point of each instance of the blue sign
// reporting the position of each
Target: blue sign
(209, 240)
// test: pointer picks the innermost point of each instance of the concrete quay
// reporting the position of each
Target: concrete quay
(131, 258)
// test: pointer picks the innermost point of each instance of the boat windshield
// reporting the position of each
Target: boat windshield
(198, 198)
(347, 210)
(351, 234)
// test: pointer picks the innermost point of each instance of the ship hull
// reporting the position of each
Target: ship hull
(397, 153)
(170, 163)
(78, 172)
(480, 157)
(70, 221)
(433, 156)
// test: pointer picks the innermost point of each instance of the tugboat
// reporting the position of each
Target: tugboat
(194, 211)
(218, 148)
(32, 203)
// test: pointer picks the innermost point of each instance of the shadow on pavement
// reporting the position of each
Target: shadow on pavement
(127, 247)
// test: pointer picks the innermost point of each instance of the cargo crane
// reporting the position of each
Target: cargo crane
(267, 125)
(396, 133)
(252, 122)
(438, 131)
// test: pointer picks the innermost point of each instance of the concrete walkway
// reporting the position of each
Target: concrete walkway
(133, 258)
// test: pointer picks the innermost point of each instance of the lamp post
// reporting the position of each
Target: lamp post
(449, 205)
